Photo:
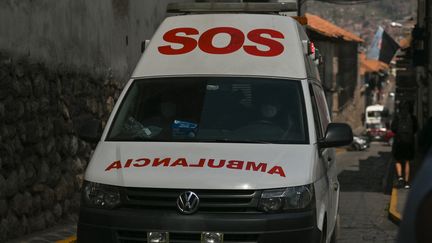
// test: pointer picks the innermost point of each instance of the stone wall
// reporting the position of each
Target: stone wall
(42, 160)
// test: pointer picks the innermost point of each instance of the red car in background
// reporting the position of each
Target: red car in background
(389, 137)
(376, 131)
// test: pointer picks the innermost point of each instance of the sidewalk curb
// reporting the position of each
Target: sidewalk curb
(394, 214)
(388, 177)
(340, 150)
(71, 239)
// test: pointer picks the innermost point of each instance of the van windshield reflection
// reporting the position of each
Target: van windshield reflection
(216, 109)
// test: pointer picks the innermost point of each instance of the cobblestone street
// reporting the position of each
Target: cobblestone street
(363, 205)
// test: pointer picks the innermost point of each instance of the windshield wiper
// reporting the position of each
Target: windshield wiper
(216, 140)
(137, 139)
(226, 140)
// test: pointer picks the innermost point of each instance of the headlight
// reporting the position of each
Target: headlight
(100, 196)
(285, 199)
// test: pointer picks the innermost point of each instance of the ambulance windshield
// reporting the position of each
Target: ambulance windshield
(212, 109)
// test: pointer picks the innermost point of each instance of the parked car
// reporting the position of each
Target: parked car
(389, 137)
(376, 131)
(359, 143)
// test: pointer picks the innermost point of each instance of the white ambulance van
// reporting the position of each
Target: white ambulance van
(374, 114)
(222, 135)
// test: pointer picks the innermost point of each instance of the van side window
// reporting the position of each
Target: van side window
(317, 122)
(321, 104)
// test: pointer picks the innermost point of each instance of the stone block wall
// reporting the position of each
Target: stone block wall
(42, 160)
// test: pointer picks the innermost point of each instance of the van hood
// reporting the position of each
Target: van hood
(201, 165)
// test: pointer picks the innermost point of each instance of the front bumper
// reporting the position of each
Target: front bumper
(377, 136)
(132, 225)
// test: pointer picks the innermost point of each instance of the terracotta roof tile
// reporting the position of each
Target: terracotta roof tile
(326, 28)
(405, 42)
(369, 65)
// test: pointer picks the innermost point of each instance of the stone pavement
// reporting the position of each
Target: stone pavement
(363, 203)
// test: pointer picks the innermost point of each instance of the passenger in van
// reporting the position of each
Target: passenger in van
(168, 111)
(272, 112)
(160, 123)
(270, 117)
(269, 111)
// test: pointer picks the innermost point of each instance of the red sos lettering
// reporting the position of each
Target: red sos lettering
(237, 38)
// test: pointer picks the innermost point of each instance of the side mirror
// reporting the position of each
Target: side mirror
(89, 130)
(337, 134)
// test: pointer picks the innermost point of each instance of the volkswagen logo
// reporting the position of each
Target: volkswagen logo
(188, 202)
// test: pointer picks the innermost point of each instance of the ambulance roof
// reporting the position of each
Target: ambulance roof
(224, 44)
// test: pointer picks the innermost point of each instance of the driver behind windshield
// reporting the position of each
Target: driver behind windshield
(280, 117)
(269, 110)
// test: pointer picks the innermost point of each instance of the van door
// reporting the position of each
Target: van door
(327, 156)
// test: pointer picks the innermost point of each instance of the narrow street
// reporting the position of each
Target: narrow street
(363, 205)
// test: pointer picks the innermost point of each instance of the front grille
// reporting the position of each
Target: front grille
(124, 236)
(210, 200)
